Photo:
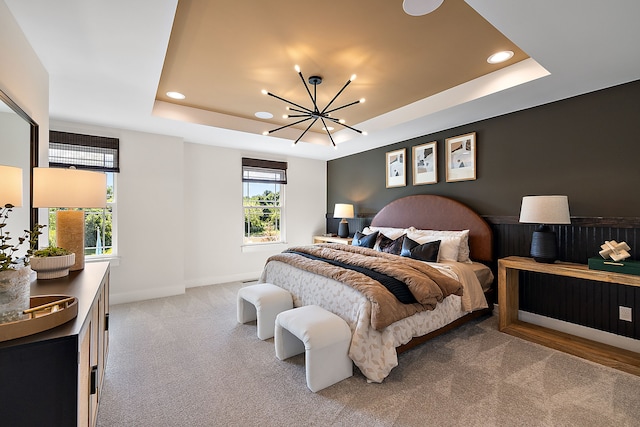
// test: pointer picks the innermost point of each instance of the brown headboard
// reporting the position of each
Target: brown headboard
(429, 212)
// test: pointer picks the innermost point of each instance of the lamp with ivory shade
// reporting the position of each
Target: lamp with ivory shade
(10, 186)
(344, 211)
(545, 210)
(69, 188)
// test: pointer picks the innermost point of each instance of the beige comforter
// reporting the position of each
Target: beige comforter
(428, 285)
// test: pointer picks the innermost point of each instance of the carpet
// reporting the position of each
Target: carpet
(185, 361)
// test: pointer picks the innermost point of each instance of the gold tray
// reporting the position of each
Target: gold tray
(46, 312)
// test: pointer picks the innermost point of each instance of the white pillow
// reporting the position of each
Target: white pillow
(392, 233)
(463, 235)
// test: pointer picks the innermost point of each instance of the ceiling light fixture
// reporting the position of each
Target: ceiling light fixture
(175, 95)
(499, 57)
(420, 7)
(314, 113)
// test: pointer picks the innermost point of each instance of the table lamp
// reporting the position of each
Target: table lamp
(344, 211)
(69, 188)
(544, 210)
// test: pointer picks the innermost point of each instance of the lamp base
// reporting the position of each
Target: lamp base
(70, 234)
(343, 228)
(543, 245)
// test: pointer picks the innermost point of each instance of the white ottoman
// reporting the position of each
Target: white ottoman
(263, 302)
(325, 339)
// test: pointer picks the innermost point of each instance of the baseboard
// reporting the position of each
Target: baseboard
(578, 330)
(125, 297)
(216, 280)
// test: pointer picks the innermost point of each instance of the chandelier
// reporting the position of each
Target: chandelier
(314, 113)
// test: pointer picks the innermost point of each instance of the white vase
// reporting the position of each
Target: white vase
(15, 291)
(52, 267)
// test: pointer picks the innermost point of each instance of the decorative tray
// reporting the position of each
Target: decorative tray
(46, 312)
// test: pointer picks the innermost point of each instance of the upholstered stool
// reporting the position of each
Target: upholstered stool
(325, 339)
(262, 302)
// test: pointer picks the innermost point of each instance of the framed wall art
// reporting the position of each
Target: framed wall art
(396, 168)
(461, 157)
(425, 163)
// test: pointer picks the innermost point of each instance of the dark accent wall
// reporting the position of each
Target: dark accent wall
(587, 147)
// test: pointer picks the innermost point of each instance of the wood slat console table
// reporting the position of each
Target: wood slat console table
(508, 280)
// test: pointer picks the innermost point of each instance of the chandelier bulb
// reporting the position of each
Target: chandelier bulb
(361, 100)
(285, 116)
(265, 133)
(264, 92)
(365, 133)
(353, 77)
(297, 69)
(342, 121)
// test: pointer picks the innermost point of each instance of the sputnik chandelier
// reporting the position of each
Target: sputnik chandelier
(314, 113)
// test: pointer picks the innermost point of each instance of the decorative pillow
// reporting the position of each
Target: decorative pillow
(449, 246)
(463, 250)
(390, 246)
(423, 252)
(365, 240)
(392, 233)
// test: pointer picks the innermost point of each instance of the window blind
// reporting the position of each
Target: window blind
(265, 171)
(89, 152)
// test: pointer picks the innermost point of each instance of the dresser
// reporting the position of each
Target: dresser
(55, 377)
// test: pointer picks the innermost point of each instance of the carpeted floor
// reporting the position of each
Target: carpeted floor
(185, 361)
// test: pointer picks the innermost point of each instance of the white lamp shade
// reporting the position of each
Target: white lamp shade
(10, 185)
(545, 210)
(69, 188)
(343, 210)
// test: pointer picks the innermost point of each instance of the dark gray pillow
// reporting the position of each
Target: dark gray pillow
(391, 246)
(365, 240)
(423, 252)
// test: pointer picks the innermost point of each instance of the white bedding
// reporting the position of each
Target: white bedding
(374, 352)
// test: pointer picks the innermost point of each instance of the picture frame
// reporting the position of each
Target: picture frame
(396, 168)
(461, 157)
(425, 163)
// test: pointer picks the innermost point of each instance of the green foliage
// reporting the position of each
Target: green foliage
(262, 215)
(8, 259)
(51, 251)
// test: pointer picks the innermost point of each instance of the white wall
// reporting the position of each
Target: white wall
(179, 213)
(22, 75)
(214, 218)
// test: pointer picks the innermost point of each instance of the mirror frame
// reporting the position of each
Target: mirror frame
(33, 151)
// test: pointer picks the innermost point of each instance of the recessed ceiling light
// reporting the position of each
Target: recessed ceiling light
(175, 95)
(498, 57)
(264, 115)
(420, 7)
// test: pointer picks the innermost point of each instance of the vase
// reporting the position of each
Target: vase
(52, 267)
(15, 290)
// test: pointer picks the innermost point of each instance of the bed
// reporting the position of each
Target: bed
(375, 350)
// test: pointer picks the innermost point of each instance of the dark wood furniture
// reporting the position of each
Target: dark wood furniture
(508, 301)
(55, 377)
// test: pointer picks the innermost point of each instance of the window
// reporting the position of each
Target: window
(263, 183)
(96, 153)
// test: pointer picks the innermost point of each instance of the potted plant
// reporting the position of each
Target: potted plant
(14, 271)
(52, 262)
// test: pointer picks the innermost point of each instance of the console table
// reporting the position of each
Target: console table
(54, 377)
(508, 281)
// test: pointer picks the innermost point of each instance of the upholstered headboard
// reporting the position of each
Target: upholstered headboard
(429, 212)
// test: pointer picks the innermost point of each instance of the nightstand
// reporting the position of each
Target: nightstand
(332, 239)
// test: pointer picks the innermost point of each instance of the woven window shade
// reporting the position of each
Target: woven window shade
(96, 153)
(265, 171)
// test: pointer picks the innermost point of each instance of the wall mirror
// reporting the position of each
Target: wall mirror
(19, 147)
